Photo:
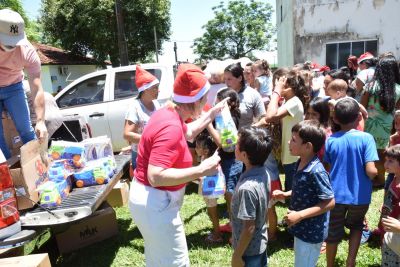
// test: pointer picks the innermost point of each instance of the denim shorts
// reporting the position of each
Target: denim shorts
(232, 170)
(259, 260)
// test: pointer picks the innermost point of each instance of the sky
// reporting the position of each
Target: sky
(187, 19)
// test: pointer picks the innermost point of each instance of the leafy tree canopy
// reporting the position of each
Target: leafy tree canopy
(236, 30)
(83, 26)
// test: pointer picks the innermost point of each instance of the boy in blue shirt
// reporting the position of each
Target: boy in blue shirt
(351, 155)
(311, 195)
(250, 199)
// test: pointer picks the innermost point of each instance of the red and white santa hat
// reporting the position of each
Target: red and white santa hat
(365, 56)
(144, 79)
(190, 84)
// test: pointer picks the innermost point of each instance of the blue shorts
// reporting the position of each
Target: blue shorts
(232, 170)
(259, 260)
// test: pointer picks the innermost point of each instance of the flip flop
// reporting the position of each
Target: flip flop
(323, 248)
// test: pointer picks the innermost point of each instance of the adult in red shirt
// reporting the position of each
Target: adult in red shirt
(164, 166)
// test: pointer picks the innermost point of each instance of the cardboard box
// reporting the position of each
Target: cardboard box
(13, 140)
(34, 260)
(97, 227)
(29, 173)
(119, 195)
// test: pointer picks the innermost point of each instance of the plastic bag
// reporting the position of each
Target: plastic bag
(213, 186)
(227, 130)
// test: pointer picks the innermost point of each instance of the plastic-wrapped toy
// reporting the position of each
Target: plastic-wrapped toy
(100, 175)
(75, 156)
(97, 148)
(58, 173)
(213, 186)
(56, 151)
(73, 152)
(84, 177)
(49, 194)
(93, 174)
(227, 130)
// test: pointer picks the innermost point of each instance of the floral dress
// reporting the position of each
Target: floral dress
(379, 122)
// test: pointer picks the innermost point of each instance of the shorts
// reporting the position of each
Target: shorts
(259, 260)
(343, 215)
(232, 170)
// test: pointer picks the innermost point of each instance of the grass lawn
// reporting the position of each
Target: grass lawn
(126, 249)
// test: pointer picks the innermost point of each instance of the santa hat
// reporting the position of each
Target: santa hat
(365, 56)
(144, 79)
(324, 68)
(190, 84)
(315, 66)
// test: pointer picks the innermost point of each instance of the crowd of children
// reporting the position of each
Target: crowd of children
(329, 161)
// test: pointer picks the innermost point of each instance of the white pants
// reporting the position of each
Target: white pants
(156, 214)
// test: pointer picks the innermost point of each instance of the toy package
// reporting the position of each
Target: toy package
(59, 171)
(213, 186)
(51, 193)
(227, 130)
(73, 152)
(96, 172)
(97, 148)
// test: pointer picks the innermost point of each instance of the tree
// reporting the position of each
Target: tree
(236, 30)
(32, 29)
(89, 26)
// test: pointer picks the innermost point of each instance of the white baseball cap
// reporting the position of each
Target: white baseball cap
(12, 28)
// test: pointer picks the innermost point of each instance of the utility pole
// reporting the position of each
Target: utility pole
(176, 52)
(122, 46)
(155, 42)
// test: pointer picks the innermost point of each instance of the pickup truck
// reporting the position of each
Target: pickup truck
(103, 97)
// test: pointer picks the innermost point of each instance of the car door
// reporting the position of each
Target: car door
(88, 98)
(124, 93)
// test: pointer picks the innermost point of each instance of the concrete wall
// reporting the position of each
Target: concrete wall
(317, 22)
(72, 73)
(284, 24)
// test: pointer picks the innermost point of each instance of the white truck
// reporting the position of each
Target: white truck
(103, 97)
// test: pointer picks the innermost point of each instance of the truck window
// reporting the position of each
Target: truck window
(87, 92)
(125, 85)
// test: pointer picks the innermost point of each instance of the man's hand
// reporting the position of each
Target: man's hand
(41, 131)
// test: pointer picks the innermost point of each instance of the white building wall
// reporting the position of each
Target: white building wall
(284, 24)
(52, 78)
(317, 22)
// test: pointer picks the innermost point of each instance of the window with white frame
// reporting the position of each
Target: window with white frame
(337, 53)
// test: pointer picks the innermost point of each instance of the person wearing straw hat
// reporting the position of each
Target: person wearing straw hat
(141, 108)
(16, 55)
(164, 166)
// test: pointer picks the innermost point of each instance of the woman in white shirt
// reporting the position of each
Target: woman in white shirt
(141, 109)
